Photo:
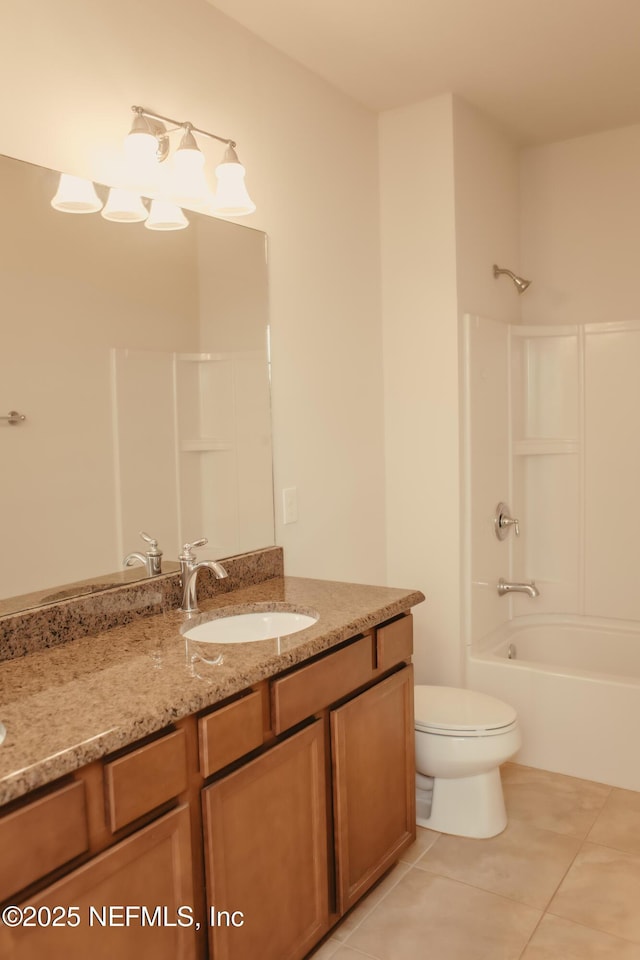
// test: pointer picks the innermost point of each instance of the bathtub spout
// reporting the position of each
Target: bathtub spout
(528, 587)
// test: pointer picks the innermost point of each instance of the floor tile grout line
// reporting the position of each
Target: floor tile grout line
(512, 818)
(368, 913)
(611, 846)
(585, 926)
(361, 953)
(562, 878)
(531, 935)
(490, 893)
(599, 813)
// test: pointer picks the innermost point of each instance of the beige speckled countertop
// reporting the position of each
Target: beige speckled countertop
(66, 706)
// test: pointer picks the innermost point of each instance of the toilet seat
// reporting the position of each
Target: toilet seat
(456, 712)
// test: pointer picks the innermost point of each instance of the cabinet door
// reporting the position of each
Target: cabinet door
(374, 783)
(150, 868)
(266, 853)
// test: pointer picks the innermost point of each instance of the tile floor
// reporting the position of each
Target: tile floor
(561, 883)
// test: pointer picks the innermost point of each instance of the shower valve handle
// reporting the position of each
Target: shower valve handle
(503, 521)
(511, 521)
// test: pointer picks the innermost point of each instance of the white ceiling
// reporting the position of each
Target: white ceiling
(545, 69)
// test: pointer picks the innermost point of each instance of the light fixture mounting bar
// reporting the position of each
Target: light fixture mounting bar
(177, 124)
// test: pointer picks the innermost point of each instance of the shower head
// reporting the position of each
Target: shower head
(521, 285)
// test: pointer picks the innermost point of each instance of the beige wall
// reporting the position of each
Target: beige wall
(421, 380)
(580, 206)
(486, 167)
(312, 170)
(449, 209)
(487, 179)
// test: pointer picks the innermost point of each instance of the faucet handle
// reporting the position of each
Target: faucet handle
(503, 521)
(147, 539)
(511, 521)
(188, 548)
(154, 550)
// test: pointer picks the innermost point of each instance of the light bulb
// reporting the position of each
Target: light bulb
(232, 198)
(124, 206)
(165, 216)
(76, 195)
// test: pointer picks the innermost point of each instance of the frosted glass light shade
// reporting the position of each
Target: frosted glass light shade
(189, 182)
(141, 147)
(165, 216)
(232, 198)
(124, 206)
(76, 195)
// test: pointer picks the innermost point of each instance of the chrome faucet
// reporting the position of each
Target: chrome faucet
(528, 587)
(189, 569)
(151, 559)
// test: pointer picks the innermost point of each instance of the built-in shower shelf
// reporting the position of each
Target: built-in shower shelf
(205, 445)
(540, 446)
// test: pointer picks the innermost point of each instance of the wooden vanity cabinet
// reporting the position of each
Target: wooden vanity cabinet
(265, 818)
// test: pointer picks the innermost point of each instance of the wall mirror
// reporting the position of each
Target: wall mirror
(140, 362)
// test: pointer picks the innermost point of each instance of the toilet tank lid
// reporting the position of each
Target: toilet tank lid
(453, 708)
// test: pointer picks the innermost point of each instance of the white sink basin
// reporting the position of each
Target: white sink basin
(249, 627)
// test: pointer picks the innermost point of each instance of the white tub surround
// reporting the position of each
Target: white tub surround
(550, 415)
(575, 683)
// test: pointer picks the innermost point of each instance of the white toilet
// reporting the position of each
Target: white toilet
(462, 737)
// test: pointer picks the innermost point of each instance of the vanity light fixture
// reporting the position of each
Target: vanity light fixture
(165, 216)
(124, 206)
(146, 146)
(149, 139)
(76, 195)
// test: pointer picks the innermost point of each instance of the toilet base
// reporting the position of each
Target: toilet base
(467, 806)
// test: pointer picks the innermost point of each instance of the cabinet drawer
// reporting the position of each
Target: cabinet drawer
(145, 778)
(301, 693)
(230, 732)
(394, 642)
(41, 836)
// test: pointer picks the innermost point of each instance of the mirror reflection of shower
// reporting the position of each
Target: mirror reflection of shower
(521, 284)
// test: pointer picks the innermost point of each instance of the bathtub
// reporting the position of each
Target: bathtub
(575, 682)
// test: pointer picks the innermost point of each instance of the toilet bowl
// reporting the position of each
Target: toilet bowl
(462, 737)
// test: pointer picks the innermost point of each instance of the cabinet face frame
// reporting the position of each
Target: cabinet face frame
(373, 755)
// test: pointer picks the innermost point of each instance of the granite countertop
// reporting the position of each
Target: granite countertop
(67, 706)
